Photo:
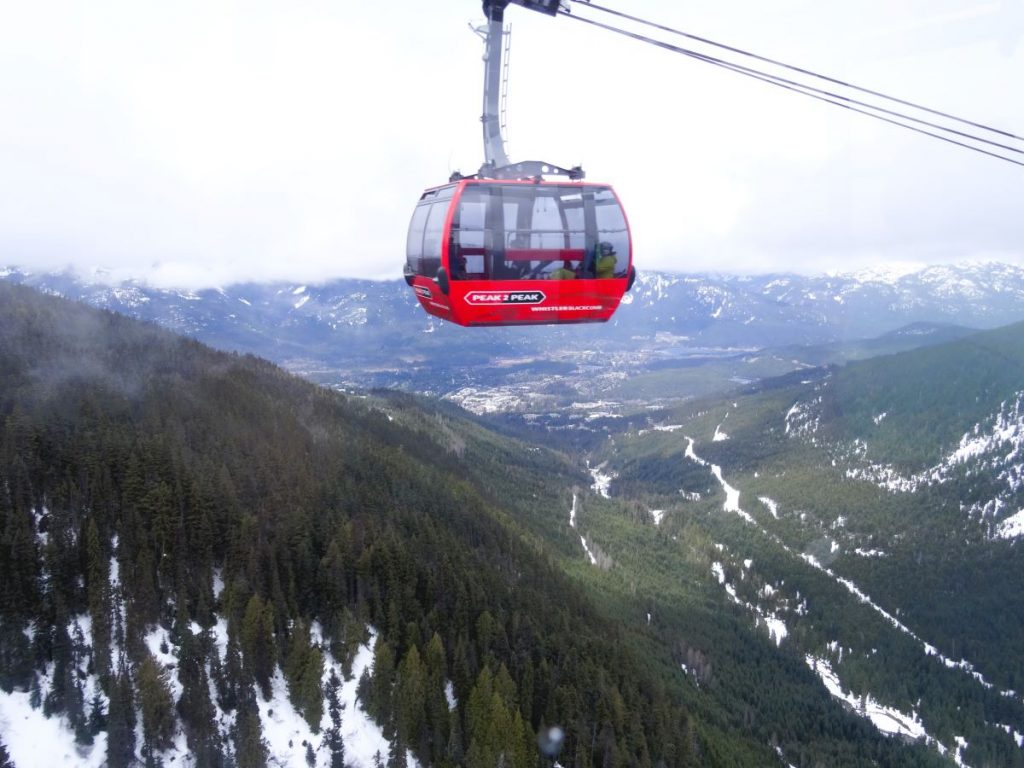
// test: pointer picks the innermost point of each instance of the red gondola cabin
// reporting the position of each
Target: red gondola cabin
(489, 252)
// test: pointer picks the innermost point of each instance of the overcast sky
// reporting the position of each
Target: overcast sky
(200, 143)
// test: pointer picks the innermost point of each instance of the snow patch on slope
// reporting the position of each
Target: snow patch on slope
(36, 741)
(772, 506)
(602, 480)
(993, 449)
(572, 524)
(1012, 527)
(732, 495)
(888, 720)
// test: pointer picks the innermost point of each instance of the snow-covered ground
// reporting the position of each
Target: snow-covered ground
(36, 741)
(992, 448)
(772, 506)
(602, 480)
(887, 719)
(572, 524)
(1012, 527)
(776, 627)
(732, 495)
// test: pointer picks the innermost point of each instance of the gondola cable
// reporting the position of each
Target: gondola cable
(822, 95)
(841, 101)
(794, 68)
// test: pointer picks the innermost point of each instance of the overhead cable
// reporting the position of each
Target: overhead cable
(801, 70)
(828, 97)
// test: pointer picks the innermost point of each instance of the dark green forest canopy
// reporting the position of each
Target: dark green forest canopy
(310, 506)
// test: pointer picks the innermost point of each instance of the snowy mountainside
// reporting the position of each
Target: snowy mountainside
(35, 737)
(828, 307)
(868, 517)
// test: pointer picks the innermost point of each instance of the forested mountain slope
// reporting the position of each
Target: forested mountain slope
(870, 517)
(149, 482)
(201, 553)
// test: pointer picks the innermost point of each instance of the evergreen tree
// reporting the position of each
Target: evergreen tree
(455, 749)
(19, 567)
(379, 702)
(397, 757)
(5, 759)
(478, 706)
(311, 690)
(157, 706)
(332, 737)
(97, 715)
(436, 704)
(304, 671)
(410, 699)
(35, 693)
(98, 588)
(250, 749)
(121, 721)
(233, 677)
(15, 657)
(195, 707)
(257, 641)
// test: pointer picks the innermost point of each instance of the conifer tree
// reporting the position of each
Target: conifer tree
(478, 706)
(195, 708)
(436, 704)
(303, 672)
(97, 715)
(455, 750)
(397, 754)
(332, 738)
(250, 749)
(522, 742)
(19, 567)
(257, 639)
(98, 586)
(311, 690)
(35, 693)
(379, 702)
(121, 721)
(15, 657)
(157, 705)
(410, 698)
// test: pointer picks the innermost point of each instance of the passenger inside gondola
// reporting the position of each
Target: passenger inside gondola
(606, 260)
(565, 272)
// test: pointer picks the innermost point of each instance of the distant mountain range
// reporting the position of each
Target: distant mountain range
(364, 333)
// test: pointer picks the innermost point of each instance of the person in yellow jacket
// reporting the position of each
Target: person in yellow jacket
(605, 264)
(565, 272)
